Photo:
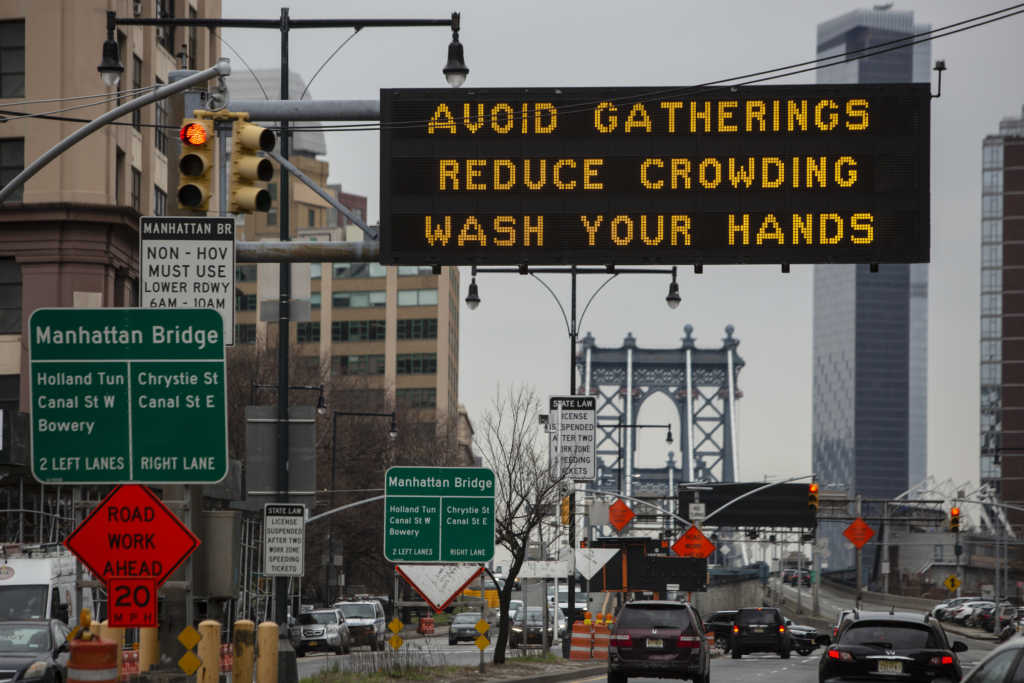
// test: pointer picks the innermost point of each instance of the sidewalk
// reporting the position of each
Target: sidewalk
(975, 633)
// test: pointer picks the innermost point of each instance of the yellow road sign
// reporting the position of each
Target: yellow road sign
(189, 637)
(395, 641)
(395, 625)
(482, 626)
(189, 662)
(482, 642)
(952, 582)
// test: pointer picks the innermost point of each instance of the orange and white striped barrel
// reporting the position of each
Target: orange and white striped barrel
(226, 658)
(129, 664)
(602, 635)
(93, 661)
(582, 641)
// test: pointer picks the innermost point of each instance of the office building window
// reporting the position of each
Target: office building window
(136, 197)
(244, 302)
(359, 270)
(136, 84)
(192, 42)
(420, 328)
(314, 300)
(415, 270)
(272, 216)
(311, 216)
(417, 297)
(160, 133)
(992, 206)
(316, 271)
(12, 59)
(246, 273)
(992, 156)
(937, 555)
(118, 177)
(992, 181)
(12, 162)
(359, 365)
(417, 363)
(307, 332)
(165, 34)
(10, 296)
(357, 330)
(416, 398)
(245, 333)
(159, 202)
(358, 299)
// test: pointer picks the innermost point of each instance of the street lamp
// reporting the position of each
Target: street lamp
(392, 435)
(473, 297)
(110, 67)
(673, 300)
(455, 71)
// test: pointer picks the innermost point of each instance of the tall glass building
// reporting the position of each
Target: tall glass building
(1002, 313)
(870, 329)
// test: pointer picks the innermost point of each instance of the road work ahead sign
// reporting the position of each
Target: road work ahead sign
(753, 174)
(124, 395)
(439, 514)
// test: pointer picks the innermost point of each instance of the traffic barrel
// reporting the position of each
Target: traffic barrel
(602, 636)
(129, 664)
(582, 641)
(93, 661)
(226, 658)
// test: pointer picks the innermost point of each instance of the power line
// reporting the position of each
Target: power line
(122, 93)
(329, 58)
(750, 78)
(237, 54)
(113, 98)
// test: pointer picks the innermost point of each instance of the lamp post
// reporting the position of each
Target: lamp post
(572, 328)
(622, 426)
(392, 434)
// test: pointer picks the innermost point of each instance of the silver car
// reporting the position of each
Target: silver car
(365, 621)
(321, 630)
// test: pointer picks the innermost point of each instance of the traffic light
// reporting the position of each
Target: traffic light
(565, 510)
(812, 497)
(248, 169)
(954, 519)
(195, 163)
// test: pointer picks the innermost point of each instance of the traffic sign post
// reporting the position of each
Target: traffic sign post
(284, 539)
(133, 543)
(439, 514)
(188, 262)
(128, 395)
(573, 444)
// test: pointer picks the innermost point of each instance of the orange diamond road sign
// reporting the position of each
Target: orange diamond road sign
(693, 544)
(620, 514)
(859, 533)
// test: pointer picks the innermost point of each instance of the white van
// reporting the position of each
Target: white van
(40, 588)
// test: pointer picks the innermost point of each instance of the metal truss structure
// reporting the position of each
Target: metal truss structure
(701, 383)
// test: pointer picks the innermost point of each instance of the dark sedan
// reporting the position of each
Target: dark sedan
(463, 627)
(886, 646)
(34, 650)
(530, 631)
(720, 623)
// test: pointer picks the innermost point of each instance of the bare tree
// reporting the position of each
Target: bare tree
(509, 440)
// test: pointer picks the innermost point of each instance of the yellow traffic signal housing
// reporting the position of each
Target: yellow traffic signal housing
(954, 519)
(195, 163)
(812, 497)
(248, 169)
(565, 510)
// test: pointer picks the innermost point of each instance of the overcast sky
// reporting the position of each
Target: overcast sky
(518, 335)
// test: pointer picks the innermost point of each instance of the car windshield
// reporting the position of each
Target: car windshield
(758, 616)
(24, 637)
(722, 616)
(358, 611)
(534, 615)
(889, 636)
(318, 618)
(467, 618)
(653, 616)
(22, 602)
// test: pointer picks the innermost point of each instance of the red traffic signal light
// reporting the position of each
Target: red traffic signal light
(955, 512)
(813, 488)
(812, 497)
(193, 133)
(954, 519)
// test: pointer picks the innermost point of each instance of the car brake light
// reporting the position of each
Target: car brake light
(782, 629)
(735, 629)
(943, 660)
(689, 641)
(840, 655)
(621, 640)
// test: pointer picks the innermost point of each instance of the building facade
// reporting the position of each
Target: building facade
(69, 237)
(870, 329)
(1002, 313)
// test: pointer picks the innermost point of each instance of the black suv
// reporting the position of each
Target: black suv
(760, 629)
(891, 646)
(658, 638)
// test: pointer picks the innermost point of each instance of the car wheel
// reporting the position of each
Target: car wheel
(347, 648)
(452, 641)
(299, 652)
(736, 654)
(616, 677)
(706, 678)
(784, 654)
(803, 652)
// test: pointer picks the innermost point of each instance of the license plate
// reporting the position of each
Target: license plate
(890, 667)
(757, 629)
(313, 643)
(655, 642)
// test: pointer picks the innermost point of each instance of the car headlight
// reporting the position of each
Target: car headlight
(517, 629)
(37, 670)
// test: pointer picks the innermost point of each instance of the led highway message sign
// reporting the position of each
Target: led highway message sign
(759, 174)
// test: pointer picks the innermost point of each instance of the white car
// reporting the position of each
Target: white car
(965, 612)
(944, 610)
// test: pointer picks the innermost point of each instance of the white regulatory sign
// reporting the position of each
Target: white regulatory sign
(573, 444)
(696, 512)
(284, 538)
(187, 262)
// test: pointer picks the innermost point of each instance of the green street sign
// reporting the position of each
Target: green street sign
(128, 395)
(438, 514)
